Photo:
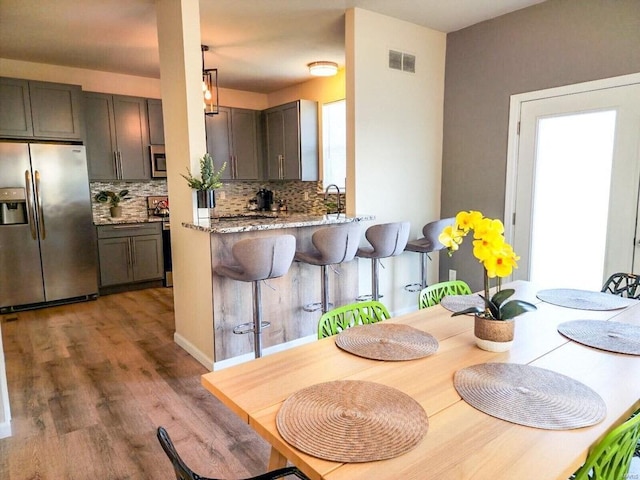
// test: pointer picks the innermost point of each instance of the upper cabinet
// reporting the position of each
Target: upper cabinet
(291, 133)
(232, 137)
(117, 137)
(156, 123)
(40, 110)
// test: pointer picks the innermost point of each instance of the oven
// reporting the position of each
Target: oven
(158, 161)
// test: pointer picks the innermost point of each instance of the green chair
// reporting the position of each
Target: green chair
(432, 294)
(359, 313)
(610, 459)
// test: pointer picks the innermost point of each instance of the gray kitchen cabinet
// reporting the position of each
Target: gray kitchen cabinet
(232, 137)
(130, 253)
(41, 110)
(156, 122)
(117, 137)
(291, 135)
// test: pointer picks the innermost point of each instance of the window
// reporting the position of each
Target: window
(334, 143)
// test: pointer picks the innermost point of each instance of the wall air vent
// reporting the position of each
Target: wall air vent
(402, 61)
(395, 60)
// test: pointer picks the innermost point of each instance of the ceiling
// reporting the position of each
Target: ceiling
(257, 45)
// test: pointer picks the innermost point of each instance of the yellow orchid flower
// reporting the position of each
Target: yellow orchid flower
(450, 238)
(466, 221)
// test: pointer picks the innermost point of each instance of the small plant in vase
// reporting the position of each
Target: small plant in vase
(494, 324)
(208, 182)
(114, 199)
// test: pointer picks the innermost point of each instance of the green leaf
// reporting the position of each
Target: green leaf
(468, 310)
(502, 295)
(514, 308)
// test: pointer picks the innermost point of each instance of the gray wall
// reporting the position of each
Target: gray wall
(558, 42)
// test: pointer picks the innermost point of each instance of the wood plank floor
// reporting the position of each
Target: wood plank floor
(89, 383)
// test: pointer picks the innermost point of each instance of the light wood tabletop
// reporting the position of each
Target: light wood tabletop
(461, 442)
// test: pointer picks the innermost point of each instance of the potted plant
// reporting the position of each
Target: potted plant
(114, 199)
(494, 325)
(207, 183)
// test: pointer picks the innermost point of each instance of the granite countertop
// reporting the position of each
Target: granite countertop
(127, 219)
(255, 222)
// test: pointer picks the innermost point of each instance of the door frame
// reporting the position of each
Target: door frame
(513, 140)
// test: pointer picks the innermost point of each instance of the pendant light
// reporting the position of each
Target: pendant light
(323, 69)
(209, 87)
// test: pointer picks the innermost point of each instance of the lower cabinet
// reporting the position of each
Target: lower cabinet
(130, 253)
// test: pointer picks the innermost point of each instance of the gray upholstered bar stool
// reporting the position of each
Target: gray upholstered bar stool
(334, 245)
(258, 259)
(424, 246)
(387, 240)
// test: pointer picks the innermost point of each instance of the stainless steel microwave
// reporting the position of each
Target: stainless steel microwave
(158, 161)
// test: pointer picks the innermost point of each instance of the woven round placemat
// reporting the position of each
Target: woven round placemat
(352, 421)
(530, 396)
(457, 303)
(610, 336)
(583, 299)
(387, 341)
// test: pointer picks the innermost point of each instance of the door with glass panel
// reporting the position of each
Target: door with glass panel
(576, 193)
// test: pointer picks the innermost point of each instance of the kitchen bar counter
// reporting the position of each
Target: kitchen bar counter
(251, 222)
(282, 305)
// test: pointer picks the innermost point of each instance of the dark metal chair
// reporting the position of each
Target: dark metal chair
(623, 284)
(183, 472)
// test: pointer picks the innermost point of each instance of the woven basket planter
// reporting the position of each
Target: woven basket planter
(493, 335)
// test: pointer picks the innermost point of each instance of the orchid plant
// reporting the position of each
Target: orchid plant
(497, 258)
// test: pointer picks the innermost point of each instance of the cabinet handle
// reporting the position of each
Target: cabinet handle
(115, 163)
(129, 253)
(133, 252)
(281, 167)
(120, 164)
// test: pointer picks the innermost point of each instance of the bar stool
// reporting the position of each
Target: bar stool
(258, 259)
(387, 240)
(429, 243)
(334, 245)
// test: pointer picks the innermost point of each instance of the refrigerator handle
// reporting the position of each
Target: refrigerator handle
(43, 232)
(31, 217)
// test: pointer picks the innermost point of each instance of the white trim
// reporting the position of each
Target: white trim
(193, 351)
(5, 410)
(5, 429)
(515, 107)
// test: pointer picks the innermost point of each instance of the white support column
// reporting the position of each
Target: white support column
(185, 139)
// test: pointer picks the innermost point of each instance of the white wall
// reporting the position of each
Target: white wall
(394, 140)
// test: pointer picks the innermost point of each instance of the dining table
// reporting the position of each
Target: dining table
(461, 441)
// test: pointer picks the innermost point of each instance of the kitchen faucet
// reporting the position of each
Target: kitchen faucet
(326, 191)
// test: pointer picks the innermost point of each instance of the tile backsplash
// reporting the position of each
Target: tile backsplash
(300, 197)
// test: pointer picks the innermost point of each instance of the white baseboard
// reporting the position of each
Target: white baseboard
(193, 351)
(5, 429)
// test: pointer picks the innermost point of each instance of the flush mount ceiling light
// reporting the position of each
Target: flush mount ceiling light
(209, 87)
(323, 69)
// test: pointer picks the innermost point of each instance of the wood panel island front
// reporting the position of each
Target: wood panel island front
(283, 302)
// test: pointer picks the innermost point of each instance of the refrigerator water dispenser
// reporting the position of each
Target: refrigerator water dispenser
(13, 206)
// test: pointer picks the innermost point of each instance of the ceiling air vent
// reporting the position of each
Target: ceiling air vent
(402, 61)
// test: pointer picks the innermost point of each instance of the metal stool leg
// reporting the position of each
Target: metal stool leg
(375, 293)
(257, 320)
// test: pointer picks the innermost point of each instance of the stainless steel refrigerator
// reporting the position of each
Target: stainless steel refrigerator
(47, 236)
